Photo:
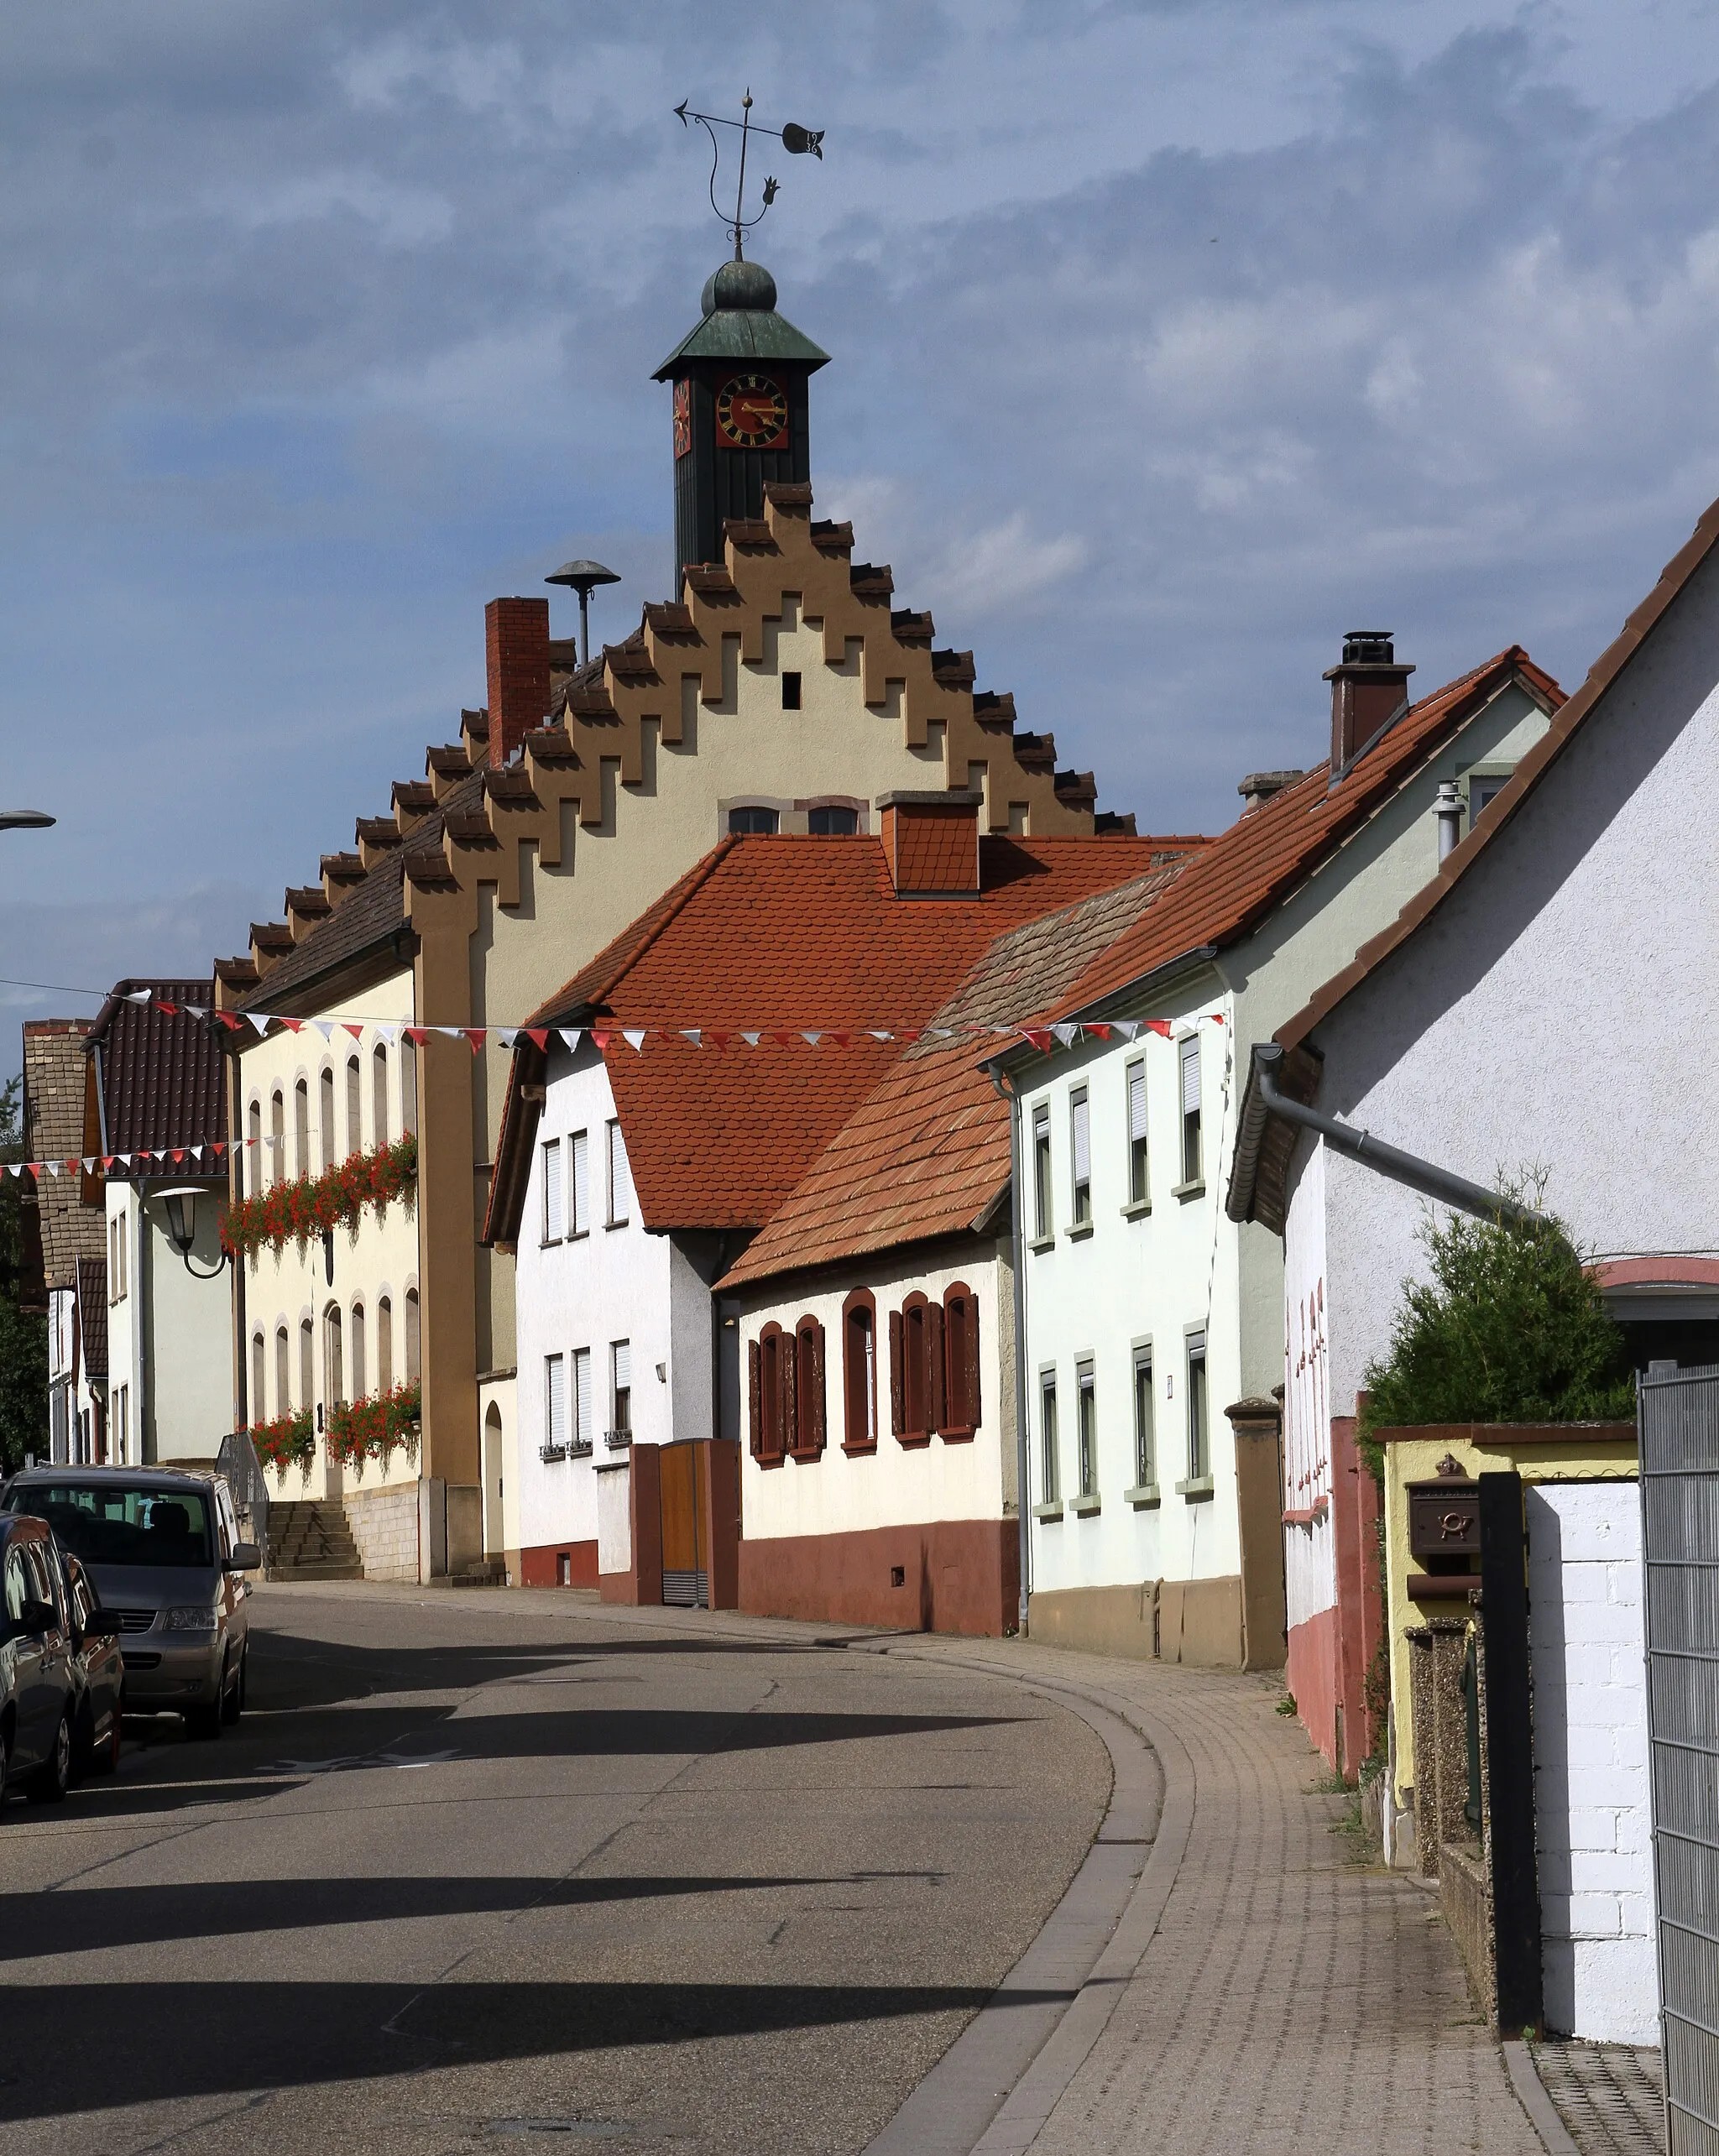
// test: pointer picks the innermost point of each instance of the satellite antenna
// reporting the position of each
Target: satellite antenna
(797, 141)
(583, 576)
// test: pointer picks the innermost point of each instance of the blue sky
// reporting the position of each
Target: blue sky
(1171, 341)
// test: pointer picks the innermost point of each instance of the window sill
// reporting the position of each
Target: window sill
(864, 1450)
(807, 1455)
(1052, 1511)
(579, 1235)
(618, 1440)
(1079, 1232)
(1138, 1210)
(551, 1242)
(1083, 1508)
(1184, 1191)
(1143, 1497)
(1196, 1489)
(547, 1453)
(956, 1437)
(580, 1448)
(1042, 1243)
(912, 1440)
(778, 1459)
(610, 1226)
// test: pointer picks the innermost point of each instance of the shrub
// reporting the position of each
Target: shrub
(1511, 1328)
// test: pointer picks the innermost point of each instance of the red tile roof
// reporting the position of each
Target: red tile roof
(1256, 864)
(163, 1077)
(927, 1153)
(784, 934)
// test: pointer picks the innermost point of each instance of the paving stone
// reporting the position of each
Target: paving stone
(1612, 2097)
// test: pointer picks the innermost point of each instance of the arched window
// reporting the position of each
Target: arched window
(354, 1108)
(283, 1372)
(807, 1380)
(916, 1369)
(860, 1372)
(333, 1357)
(356, 1360)
(771, 1394)
(960, 1412)
(301, 1128)
(325, 1098)
(254, 1178)
(307, 1364)
(414, 1337)
(379, 1093)
(384, 1345)
(409, 1085)
(277, 1137)
(259, 1412)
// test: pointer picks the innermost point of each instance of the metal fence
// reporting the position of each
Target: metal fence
(1680, 1471)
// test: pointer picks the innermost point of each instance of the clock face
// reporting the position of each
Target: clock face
(752, 413)
(684, 418)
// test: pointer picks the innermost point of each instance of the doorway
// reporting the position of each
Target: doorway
(686, 1530)
(493, 1534)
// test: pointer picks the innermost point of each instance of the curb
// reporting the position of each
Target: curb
(1531, 2095)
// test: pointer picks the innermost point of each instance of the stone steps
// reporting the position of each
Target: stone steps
(311, 1540)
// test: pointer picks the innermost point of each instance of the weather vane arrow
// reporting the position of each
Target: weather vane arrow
(797, 141)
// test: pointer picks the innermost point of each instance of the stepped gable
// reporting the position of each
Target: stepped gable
(718, 1135)
(599, 714)
(1254, 866)
(927, 1153)
(162, 1072)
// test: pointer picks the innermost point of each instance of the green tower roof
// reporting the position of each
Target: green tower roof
(741, 322)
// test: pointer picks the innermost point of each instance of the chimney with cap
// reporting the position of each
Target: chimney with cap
(1257, 788)
(931, 842)
(516, 633)
(1368, 689)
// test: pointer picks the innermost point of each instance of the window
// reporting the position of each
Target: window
(415, 1336)
(325, 1094)
(333, 1358)
(253, 1147)
(122, 1422)
(1139, 1167)
(773, 1396)
(584, 1411)
(116, 1259)
(1198, 1443)
(809, 1428)
(860, 1372)
(753, 822)
(259, 1412)
(1086, 1426)
(1080, 1146)
(960, 1409)
(791, 691)
(1044, 1227)
(384, 1345)
(579, 1184)
(1484, 788)
(379, 1093)
(555, 1403)
(1145, 1443)
(354, 1117)
(283, 1378)
(409, 1085)
(360, 1389)
(916, 1369)
(1049, 1480)
(301, 1128)
(620, 1186)
(1192, 1168)
(307, 1363)
(620, 1368)
(277, 1137)
(553, 1192)
(832, 822)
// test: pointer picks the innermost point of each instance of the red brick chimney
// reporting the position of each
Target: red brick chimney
(931, 842)
(1368, 688)
(516, 632)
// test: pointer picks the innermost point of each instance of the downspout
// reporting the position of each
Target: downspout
(1423, 1175)
(1022, 1506)
(236, 1170)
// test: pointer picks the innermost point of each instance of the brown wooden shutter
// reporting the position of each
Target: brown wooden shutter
(787, 1348)
(812, 1348)
(936, 1407)
(970, 1340)
(898, 1377)
(755, 1388)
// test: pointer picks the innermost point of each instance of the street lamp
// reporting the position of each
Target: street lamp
(26, 819)
(181, 1208)
(583, 576)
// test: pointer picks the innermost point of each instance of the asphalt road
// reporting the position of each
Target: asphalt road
(479, 1867)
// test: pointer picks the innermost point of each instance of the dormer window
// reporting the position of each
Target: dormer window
(753, 822)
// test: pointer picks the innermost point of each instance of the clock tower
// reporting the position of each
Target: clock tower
(740, 409)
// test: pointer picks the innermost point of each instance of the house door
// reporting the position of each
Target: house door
(686, 1532)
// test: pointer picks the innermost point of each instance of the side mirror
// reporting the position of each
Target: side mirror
(38, 1620)
(101, 1625)
(246, 1558)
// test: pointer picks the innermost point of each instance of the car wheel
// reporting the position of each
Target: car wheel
(51, 1780)
(232, 1701)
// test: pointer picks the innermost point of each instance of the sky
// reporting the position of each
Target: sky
(1172, 338)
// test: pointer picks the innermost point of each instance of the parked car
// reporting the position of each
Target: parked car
(161, 1550)
(42, 1677)
(101, 1670)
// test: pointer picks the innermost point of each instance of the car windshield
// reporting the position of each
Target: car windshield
(105, 1523)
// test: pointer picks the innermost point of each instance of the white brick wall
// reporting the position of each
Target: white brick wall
(1590, 1761)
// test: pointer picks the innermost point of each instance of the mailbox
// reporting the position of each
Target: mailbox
(1444, 1519)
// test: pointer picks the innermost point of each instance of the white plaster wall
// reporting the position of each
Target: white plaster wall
(176, 1331)
(1150, 1277)
(1309, 1548)
(1555, 1008)
(1592, 1797)
(896, 1485)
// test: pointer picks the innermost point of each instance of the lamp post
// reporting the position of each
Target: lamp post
(181, 1209)
(26, 819)
(583, 577)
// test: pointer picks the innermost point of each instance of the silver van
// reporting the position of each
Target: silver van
(162, 1547)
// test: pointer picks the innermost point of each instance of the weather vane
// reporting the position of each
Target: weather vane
(796, 140)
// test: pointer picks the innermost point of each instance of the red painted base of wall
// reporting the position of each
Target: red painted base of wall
(1331, 1654)
(1313, 1675)
(541, 1567)
(956, 1576)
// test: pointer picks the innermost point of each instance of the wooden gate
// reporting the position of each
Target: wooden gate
(685, 1529)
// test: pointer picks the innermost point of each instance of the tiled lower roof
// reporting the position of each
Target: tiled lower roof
(163, 1073)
